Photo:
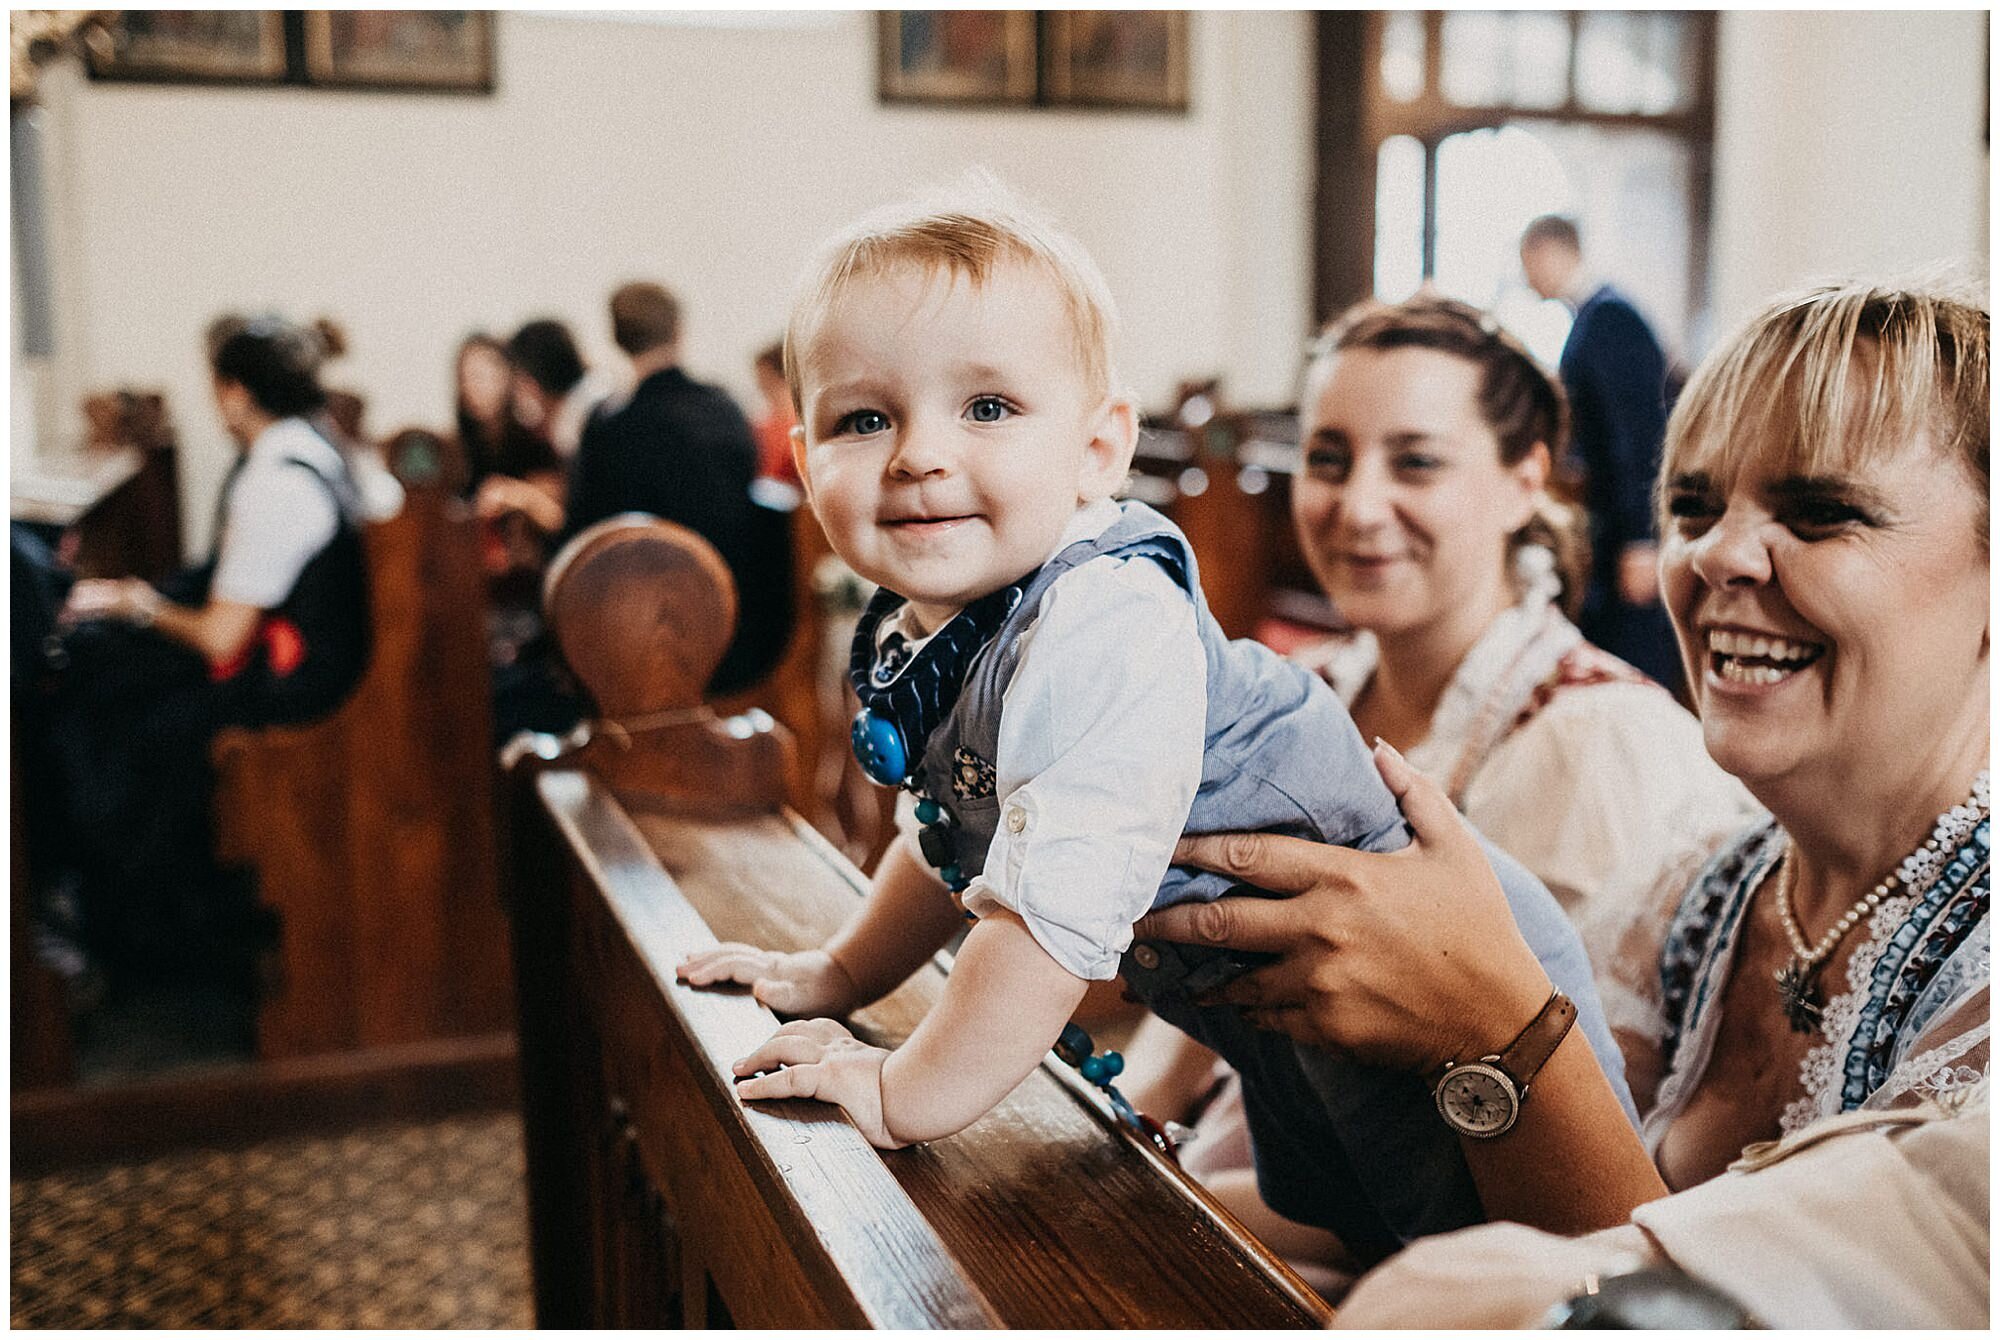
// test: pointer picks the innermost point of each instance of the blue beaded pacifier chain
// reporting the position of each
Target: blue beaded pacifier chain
(906, 696)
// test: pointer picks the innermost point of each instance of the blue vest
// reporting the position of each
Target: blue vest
(1280, 753)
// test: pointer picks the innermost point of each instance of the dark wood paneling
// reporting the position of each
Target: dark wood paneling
(1344, 161)
(239, 1103)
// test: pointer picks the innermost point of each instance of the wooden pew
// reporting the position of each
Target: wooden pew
(371, 831)
(657, 1198)
(114, 500)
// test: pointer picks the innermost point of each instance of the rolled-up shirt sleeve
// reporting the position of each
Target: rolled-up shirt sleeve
(1099, 759)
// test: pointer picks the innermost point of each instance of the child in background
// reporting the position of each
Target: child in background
(774, 426)
(1039, 669)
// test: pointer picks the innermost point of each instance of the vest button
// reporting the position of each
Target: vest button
(1146, 956)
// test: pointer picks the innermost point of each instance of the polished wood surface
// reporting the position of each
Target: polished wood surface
(657, 1198)
(642, 609)
(372, 831)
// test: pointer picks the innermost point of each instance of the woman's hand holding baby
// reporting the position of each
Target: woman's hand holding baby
(808, 983)
(1408, 960)
(822, 1060)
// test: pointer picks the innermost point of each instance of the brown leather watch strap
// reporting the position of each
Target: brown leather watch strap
(1530, 1051)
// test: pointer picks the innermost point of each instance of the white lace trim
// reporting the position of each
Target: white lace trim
(1819, 1072)
(1517, 652)
(1932, 1073)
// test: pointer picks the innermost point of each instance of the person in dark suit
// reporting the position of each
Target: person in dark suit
(683, 451)
(1616, 375)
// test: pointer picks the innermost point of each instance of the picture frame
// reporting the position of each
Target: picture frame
(1131, 58)
(438, 50)
(228, 46)
(964, 56)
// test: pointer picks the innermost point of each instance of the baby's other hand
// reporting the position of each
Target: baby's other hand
(808, 983)
(822, 1060)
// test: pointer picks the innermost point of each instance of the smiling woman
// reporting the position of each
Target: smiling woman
(1803, 1013)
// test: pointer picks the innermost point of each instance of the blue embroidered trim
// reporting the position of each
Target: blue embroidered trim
(1935, 929)
(1713, 904)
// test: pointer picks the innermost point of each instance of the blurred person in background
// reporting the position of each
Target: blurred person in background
(1616, 374)
(491, 436)
(774, 428)
(682, 450)
(555, 393)
(137, 679)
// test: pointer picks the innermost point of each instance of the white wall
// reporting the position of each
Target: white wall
(1847, 144)
(712, 157)
(709, 157)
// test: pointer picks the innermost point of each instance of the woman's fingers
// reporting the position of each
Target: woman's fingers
(1242, 922)
(1268, 860)
(1424, 803)
(1294, 1022)
(1281, 985)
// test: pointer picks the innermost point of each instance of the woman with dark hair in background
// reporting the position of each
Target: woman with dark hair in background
(138, 679)
(490, 432)
(515, 477)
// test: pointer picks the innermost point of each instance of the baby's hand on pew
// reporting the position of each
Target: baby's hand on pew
(822, 1060)
(808, 983)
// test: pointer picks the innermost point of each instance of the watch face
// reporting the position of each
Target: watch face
(1478, 1099)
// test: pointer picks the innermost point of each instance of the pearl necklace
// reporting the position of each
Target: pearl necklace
(1798, 980)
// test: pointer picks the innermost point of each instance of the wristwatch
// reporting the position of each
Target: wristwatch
(1483, 1098)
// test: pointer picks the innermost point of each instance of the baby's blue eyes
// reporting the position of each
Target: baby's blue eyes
(868, 422)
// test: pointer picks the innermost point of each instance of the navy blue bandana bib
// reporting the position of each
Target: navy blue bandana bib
(904, 697)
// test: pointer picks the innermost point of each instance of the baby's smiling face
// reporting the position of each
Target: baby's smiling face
(949, 432)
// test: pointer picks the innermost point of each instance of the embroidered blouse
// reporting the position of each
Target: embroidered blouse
(1910, 1024)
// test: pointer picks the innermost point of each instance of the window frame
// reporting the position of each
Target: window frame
(1356, 115)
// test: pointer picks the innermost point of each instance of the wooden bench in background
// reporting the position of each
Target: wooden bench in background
(371, 832)
(656, 1197)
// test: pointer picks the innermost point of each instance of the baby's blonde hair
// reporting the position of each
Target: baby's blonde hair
(1792, 379)
(967, 231)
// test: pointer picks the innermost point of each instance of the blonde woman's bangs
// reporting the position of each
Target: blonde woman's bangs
(1830, 381)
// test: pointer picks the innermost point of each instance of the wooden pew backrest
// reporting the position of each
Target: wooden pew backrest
(371, 831)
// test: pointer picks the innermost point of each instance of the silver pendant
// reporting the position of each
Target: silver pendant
(1798, 995)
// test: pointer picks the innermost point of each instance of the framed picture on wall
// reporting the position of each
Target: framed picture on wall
(244, 46)
(1116, 58)
(957, 55)
(442, 49)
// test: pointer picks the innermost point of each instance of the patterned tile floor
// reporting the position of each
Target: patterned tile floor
(419, 1226)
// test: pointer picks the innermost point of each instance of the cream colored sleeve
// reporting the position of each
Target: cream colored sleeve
(1859, 1221)
(1600, 789)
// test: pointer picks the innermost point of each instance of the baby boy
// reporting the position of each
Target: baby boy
(1039, 668)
